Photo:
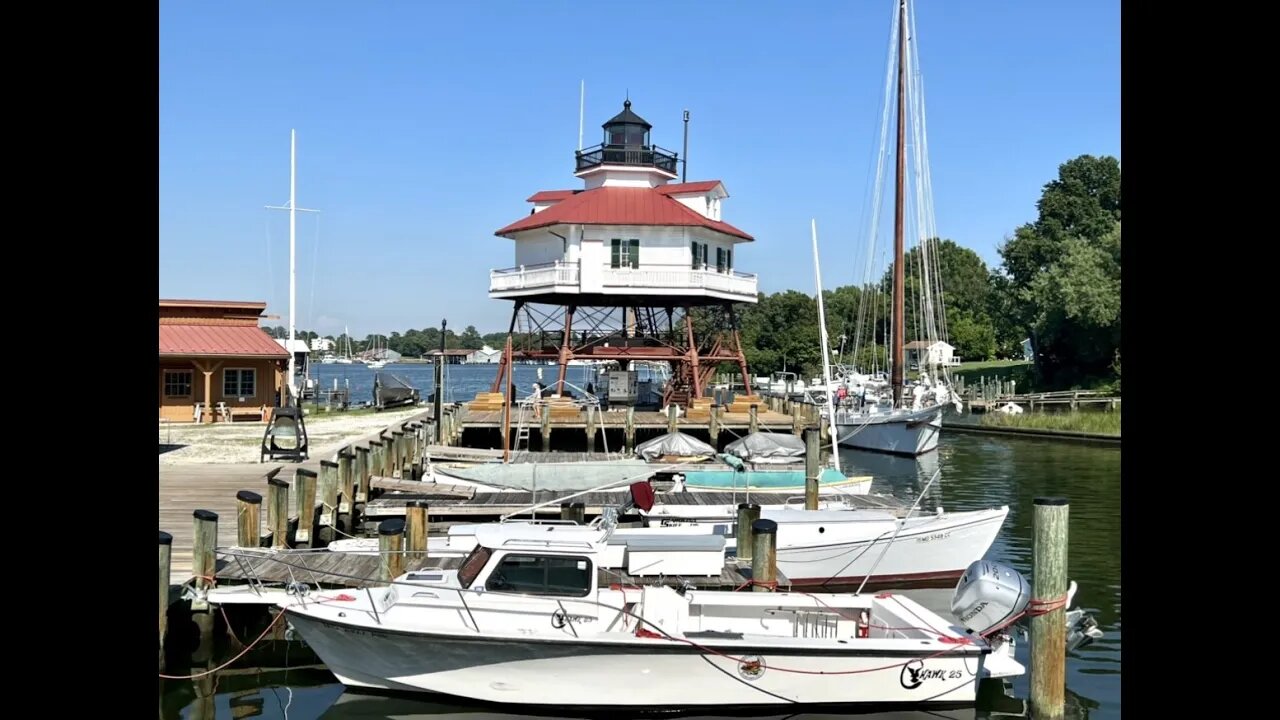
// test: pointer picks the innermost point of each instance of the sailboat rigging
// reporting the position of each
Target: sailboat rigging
(865, 418)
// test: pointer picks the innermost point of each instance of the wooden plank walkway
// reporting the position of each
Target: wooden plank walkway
(187, 488)
(183, 489)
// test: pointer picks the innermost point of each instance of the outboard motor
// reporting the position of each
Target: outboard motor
(989, 596)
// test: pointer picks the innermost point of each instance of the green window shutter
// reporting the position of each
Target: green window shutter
(614, 255)
(719, 259)
(635, 253)
(693, 252)
(728, 260)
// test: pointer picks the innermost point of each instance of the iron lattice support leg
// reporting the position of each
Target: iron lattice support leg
(566, 354)
(737, 347)
(504, 365)
(695, 376)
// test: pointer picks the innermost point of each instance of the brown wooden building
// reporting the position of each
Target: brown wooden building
(216, 363)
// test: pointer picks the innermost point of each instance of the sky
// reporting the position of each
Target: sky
(422, 127)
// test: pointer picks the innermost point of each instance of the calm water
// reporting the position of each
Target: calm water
(977, 471)
(462, 382)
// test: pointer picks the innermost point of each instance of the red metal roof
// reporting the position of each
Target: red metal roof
(620, 206)
(230, 340)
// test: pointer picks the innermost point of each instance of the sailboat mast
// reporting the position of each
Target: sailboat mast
(822, 338)
(899, 293)
(293, 227)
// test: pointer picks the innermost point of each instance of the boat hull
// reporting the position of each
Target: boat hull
(909, 434)
(933, 553)
(656, 675)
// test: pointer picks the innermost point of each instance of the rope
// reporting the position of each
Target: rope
(1035, 608)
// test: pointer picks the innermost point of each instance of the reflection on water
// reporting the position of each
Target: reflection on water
(976, 471)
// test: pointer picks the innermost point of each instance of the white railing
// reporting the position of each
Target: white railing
(566, 275)
(533, 276)
(733, 282)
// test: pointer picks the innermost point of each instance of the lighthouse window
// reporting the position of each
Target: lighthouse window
(624, 253)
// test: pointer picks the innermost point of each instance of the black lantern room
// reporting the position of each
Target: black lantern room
(627, 130)
(626, 142)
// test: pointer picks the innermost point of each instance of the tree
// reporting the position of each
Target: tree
(1063, 274)
(965, 297)
(470, 338)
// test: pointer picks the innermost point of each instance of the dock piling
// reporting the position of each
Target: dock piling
(278, 512)
(545, 427)
(753, 425)
(629, 430)
(166, 554)
(713, 426)
(812, 444)
(748, 513)
(346, 488)
(203, 544)
(328, 501)
(764, 565)
(390, 549)
(672, 422)
(248, 519)
(1049, 587)
(305, 482)
(416, 530)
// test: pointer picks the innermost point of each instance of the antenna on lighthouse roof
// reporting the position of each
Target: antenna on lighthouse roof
(582, 100)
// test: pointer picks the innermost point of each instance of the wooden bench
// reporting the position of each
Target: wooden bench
(258, 414)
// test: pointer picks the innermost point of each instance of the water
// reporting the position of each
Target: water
(462, 382)
(977, 471)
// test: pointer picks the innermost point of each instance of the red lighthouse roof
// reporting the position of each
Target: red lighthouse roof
(621, 206)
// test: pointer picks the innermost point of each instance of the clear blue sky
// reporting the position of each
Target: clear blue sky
(423, 126)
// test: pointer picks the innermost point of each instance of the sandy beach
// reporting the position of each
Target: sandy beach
(222, 443)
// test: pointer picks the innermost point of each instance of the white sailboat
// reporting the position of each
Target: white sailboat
(872, 416)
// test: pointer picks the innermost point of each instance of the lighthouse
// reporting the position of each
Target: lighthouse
(631, 266)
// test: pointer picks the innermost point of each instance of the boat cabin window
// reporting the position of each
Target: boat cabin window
(472, 565)
(542, 575)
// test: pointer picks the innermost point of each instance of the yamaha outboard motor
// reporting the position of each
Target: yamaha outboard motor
(989, 596)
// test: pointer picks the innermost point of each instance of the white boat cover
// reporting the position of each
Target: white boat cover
(677, 444)
(760, 445)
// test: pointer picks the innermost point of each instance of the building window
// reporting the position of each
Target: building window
(728, 260)
(238, 382)
(701, 253)
(625, 253)
(177, 383)
(541, 575)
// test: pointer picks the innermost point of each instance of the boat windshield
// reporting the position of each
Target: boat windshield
(472, 566)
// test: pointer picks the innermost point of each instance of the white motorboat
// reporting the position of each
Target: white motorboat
(525, 621)
(836, 546)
